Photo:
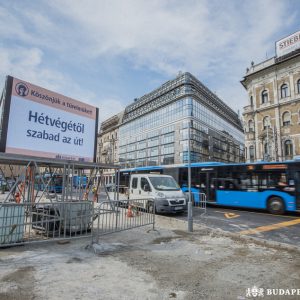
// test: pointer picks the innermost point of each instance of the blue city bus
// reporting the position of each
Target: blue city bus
(273, 186)
(80, 181)
(53, 183)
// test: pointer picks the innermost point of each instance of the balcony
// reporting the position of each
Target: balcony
(248, 108)
(255, 68)
(250, 135)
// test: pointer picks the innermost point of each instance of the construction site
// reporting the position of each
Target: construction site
(143, 263)
(65, 245)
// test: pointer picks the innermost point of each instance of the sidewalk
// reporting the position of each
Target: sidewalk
(145, 264)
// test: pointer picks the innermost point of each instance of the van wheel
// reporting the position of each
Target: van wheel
(150, 207)
(276, 206)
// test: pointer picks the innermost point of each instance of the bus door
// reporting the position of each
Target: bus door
(297, 188)
(211, 195)
(206, 185)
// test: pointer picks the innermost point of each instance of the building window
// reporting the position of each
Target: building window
(264, 96)
(298, 86)
(286, 119)
(153, 142)
(168, 138)
(266, 123)
(267, 150)
(167, 149)
(251, 126)
(251, 100)
(167, 159)
(251, 153)
(288, 149)
(284, 90)
(153, 151)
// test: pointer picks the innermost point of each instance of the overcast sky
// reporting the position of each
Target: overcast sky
(107, 53)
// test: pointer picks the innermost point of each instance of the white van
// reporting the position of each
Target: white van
(162, 190)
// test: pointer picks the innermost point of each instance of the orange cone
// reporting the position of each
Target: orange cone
(129, 212)
(18, 197)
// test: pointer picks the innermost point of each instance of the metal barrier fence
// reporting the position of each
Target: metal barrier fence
(115, 216)
(200, 202)
(23, 223)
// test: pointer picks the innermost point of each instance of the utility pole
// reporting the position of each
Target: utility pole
(267, 154)
(275, 142)
(190, 207)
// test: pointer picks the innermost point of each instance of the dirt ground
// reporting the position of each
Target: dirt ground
(145, 264)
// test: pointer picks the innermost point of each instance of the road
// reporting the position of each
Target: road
(259, 224)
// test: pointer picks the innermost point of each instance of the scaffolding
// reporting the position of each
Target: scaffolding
(40, 200)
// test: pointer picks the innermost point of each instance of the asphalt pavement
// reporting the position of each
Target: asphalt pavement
(283, 228)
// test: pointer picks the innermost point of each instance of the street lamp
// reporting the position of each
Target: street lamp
(190, 207)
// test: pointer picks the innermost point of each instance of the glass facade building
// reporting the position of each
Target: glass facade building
(157, 127)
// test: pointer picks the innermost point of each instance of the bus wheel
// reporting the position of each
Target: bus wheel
(276, 206)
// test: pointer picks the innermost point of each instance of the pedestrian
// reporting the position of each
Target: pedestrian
(95, 193)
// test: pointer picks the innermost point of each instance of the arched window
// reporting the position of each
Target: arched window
(251, 98)
(284, 90)
(288, 149)
(298, 86)
(266, 122)
(264, 96)
(266, 148)
(251, 126)
(286, 119)
(251, 153)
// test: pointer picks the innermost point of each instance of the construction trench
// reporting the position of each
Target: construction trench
(89, 253)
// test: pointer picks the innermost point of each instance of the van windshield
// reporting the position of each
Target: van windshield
(164, 183)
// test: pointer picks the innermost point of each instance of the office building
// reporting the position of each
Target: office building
(156, 129)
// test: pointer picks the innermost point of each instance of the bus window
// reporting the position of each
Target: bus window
(282, 180)
(231, 184)
(219, 185)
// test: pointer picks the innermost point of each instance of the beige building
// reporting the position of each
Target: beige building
(272, 116)
(108, 144)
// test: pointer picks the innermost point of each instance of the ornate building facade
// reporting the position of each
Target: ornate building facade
(272, 116)
(108, 144)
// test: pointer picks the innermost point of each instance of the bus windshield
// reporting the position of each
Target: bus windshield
(164, 183)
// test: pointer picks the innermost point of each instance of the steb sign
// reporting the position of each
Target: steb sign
(288, 44)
